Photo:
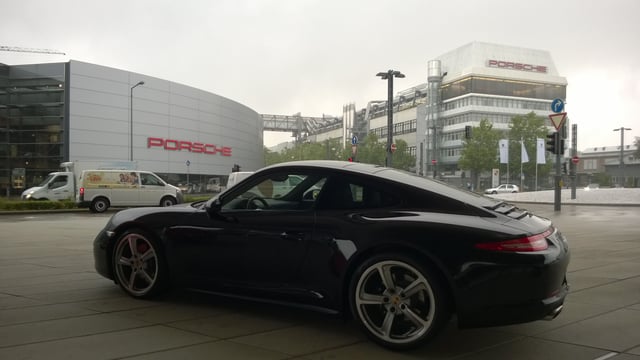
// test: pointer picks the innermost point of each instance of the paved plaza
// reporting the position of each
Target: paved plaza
(604, 196)
(53, 305)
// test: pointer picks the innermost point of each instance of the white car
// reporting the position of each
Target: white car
(504, 188)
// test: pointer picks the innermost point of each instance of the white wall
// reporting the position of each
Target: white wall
(99, 122)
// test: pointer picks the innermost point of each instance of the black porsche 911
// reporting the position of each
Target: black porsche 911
(398, 252)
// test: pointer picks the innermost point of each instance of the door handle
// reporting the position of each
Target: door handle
(294, 236)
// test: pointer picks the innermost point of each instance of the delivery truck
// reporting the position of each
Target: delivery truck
(100, 185)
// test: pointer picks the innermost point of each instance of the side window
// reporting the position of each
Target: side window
(59, 182)
(343, 193)
(150, 180)
(279, 191)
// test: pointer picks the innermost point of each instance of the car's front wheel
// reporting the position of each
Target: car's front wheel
(398, 302)
(139, 265)
(168, 201)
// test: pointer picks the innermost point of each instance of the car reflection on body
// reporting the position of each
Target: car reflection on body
(504, 188)
(397, 252)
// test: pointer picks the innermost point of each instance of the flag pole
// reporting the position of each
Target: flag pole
(536, 176)
(521, 162)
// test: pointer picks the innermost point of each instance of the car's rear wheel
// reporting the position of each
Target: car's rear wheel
(398, 302)
(99, 205)
(139, 265)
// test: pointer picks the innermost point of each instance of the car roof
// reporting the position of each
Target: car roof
(389, 174)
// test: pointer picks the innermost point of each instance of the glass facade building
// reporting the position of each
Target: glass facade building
(76, 111)
(32, 116)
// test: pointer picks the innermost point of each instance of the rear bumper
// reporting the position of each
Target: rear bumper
(528, 287)
(508, 314)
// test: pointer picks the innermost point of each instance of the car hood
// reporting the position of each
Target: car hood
(153, 215)
(31, 190)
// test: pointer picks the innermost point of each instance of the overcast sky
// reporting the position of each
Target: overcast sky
(313, 56)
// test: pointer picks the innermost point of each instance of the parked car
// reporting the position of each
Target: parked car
(592, 186)
(399, 253)
(504, 188)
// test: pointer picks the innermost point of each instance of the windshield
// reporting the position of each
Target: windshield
(46, 180)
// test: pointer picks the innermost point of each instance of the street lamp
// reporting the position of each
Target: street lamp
(389, 75)
(622, 129)
(131, 120)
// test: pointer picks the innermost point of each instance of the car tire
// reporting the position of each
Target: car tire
(167, 201)
(99, 205)
(138, 264)
(494, 192)
(389, 312)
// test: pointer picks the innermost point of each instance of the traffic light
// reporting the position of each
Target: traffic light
(555, 144)
(552, 143)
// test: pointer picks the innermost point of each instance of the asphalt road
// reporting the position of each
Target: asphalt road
(54, 306)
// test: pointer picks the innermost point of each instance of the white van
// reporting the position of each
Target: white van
(100, 189)
(236, 177)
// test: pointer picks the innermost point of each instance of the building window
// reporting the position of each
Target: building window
(590, 164)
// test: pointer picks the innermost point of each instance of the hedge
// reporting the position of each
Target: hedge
(18, 205)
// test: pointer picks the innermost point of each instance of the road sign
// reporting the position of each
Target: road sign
(434, 161)
(558, 119)
(557, 105)
(354, 140)
(188, 162)
(393, 147)
(575, 160)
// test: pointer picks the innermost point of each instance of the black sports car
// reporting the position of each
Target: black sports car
(398, 252)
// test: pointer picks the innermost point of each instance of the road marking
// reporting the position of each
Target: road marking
(609, 355)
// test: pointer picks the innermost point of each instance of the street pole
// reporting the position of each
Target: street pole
(131, 120)
(389, 120)
(621, 166)
(574, 166)
(389, 75)
(558, 176)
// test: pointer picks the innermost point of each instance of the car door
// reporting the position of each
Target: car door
(259, 241)
(61, 187)
(123, 186)
(152, 188)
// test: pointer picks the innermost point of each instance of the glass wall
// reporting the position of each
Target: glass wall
(502, 87)
(32, 108)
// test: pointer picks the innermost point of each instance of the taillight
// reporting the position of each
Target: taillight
(81, 191)
(526, 244)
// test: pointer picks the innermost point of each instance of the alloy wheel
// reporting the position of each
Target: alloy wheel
(137, 266)
(395, 302)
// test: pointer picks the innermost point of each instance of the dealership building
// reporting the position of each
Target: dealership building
(474, 82)
(76, 111)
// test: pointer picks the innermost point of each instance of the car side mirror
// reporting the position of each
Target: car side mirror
(214, 210)
(214, 206)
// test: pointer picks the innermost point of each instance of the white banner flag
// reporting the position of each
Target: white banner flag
(504, 151)
(540, 152)
(524, 157)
